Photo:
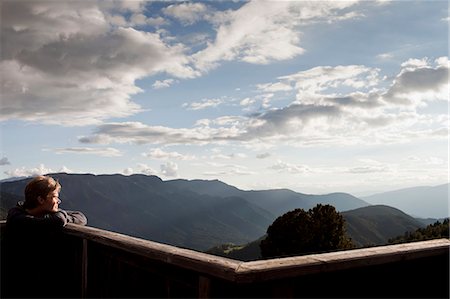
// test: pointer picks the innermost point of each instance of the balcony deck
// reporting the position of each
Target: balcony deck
(107, 264)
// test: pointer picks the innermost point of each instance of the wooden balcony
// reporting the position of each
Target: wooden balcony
(106, 264)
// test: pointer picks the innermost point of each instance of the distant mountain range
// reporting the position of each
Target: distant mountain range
(424, 201)
(197, 214)
(367, 226)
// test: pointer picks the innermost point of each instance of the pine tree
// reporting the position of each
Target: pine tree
(298, 232)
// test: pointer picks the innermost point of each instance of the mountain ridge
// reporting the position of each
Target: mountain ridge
(420, 201)
(195, 214)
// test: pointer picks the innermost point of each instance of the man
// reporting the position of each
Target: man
(35, 252)
(41, 207)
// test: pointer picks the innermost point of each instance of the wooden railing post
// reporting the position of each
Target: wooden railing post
(84, 272)
(204, 287)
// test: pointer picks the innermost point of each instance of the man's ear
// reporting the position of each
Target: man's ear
(40, 200)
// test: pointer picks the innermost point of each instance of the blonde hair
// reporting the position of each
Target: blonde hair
(39, 186)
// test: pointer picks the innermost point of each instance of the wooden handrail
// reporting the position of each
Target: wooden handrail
(238, 271)
(261, 270)
(185, 258)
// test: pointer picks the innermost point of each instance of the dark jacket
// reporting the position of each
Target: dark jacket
(36, 254)
(18, 218)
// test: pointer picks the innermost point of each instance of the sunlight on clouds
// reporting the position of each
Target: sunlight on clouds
(80, 59)
(40, 170)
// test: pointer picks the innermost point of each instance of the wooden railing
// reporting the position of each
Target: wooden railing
(107, 264)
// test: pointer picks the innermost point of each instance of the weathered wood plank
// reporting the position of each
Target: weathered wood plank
(336, 261)
(184, 258)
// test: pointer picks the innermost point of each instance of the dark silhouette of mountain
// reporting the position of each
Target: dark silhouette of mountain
(367, 226)
(423, 202)
(196, 214)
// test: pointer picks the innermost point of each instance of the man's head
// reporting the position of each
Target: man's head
(42, 193)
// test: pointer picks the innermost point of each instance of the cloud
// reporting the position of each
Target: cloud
(367, 169)
(313, 83)
(187, 13)
(39, 170)
(4, 161)
(260, 34)
(290, 168)
(87, 66)
(104, 152)
(145, 169)
(370, 166)
(76, 63)
(228, 170)
(359, 116)
(274, 87)
(205, 103)
(163, 84)
(169, 169)
(128, 171)
(158, 153)
(263, 155)
(385, 56)
(419, 83)
(229, 156)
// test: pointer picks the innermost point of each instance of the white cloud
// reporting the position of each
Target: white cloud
(313, 83)
(187, 13)
(260, 33)
(290, 168)
(163, 84)
(274, 87)
(158, 153)
(87, 66)
(128, 171)
(355, 117)
(39, 170)
(247, 102)
(385, 56)
(169, 169)
(205, 103)
(104, 152)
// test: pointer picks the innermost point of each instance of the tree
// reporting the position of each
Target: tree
(298, 232)
(436, 230)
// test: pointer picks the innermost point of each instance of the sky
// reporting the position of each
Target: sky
(313, 96)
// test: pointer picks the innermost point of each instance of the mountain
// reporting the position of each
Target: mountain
(278, 201)
(367, 226)
(423, 202)
(375, 225)
(195, 214)
(143, 206)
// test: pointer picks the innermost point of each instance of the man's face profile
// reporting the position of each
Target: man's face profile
(51, 202)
